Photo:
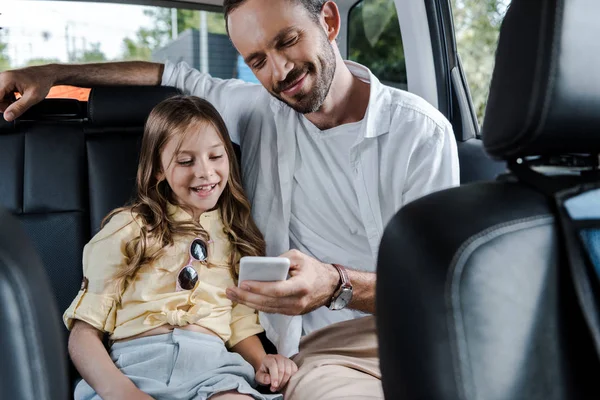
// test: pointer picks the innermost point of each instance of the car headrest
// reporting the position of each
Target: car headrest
(6, 127)
(545, 91)
(48, 110)
(125, 105)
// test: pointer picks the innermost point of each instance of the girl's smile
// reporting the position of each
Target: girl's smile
(204, 191)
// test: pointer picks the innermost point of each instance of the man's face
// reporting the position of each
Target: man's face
(287, 50)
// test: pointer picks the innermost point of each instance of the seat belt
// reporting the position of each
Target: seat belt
(577, 209)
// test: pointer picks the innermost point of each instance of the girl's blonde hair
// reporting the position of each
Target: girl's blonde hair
(169, 119)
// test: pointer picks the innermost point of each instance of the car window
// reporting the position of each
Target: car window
(477, 26)
(374, 40)
(41, 32)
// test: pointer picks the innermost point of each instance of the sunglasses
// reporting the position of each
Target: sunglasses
(188, 277)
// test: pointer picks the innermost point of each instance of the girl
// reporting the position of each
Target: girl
(155, 275)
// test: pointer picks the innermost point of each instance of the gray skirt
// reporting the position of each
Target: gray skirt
(180, 365)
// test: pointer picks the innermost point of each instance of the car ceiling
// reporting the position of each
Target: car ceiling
(220, 2)
(183, 3)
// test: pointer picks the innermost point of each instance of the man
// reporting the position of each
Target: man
(329, 154)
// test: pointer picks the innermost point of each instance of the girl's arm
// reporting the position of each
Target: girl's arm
(271, 369)
(96, 367)
(252, 350)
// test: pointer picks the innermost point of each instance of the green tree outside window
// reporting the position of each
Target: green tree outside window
(374, 40)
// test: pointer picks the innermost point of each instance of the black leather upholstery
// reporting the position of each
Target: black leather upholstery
(11, 169)
(475, 302)
(475, 164)
(125, 105)
(545, 90)
(61, 173)
(44, 183)
(55, 110)
(474, 296)
(33, 362)
(112, 166)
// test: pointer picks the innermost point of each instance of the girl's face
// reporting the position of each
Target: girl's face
(198, 172)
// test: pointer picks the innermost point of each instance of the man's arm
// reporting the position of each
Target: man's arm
(363, 290)
(34, 83)
(117, 73)
(433, 167)
(311, 285)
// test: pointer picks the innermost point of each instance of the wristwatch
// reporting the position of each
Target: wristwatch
(342, 296)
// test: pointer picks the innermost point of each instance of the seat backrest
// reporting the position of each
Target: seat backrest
(43, 181)
(475, 299)
(113, 135)
(475, 164)
(33, 363)
(64, 166)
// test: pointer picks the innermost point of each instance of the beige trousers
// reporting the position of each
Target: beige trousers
(338, 362)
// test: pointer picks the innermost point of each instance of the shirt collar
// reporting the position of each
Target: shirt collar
(179, 214)
(377, 118)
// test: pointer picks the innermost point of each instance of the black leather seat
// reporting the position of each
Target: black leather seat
(474, 296)
(63, 167)
(33, 362)
(475, 164)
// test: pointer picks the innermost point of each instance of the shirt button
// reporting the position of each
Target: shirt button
(353, 231)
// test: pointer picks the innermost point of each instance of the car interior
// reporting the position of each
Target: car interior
(493, 312)
(479, 306)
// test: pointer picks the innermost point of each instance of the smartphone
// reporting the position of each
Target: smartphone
(266, 269)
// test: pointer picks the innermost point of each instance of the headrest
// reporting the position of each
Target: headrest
(6, 127)
(125, 105)
(545, 92)
(48, 110)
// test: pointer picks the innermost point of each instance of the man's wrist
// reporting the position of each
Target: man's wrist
(334, 281)
(343, 293)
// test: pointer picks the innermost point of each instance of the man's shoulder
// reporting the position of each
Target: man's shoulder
(406, 107)
(191, 81)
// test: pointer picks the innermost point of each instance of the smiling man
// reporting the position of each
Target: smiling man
(329, 155)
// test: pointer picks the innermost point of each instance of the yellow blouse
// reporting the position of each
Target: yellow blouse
(150, 299)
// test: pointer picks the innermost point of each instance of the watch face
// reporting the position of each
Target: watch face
(343, 299)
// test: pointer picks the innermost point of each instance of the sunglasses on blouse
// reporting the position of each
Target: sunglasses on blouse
(188, 277)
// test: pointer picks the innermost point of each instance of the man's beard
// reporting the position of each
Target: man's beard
(309, 102)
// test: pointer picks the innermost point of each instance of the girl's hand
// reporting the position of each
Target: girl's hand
(276, 371)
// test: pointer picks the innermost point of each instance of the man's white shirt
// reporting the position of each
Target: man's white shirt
(328, 193)
(326, 221)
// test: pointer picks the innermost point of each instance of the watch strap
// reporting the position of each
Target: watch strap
(345, 285)
(344, 278)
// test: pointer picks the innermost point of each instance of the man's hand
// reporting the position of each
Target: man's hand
(310, 286)
(33, 83)
(275, 370)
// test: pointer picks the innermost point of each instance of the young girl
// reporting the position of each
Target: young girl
(155, 275)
